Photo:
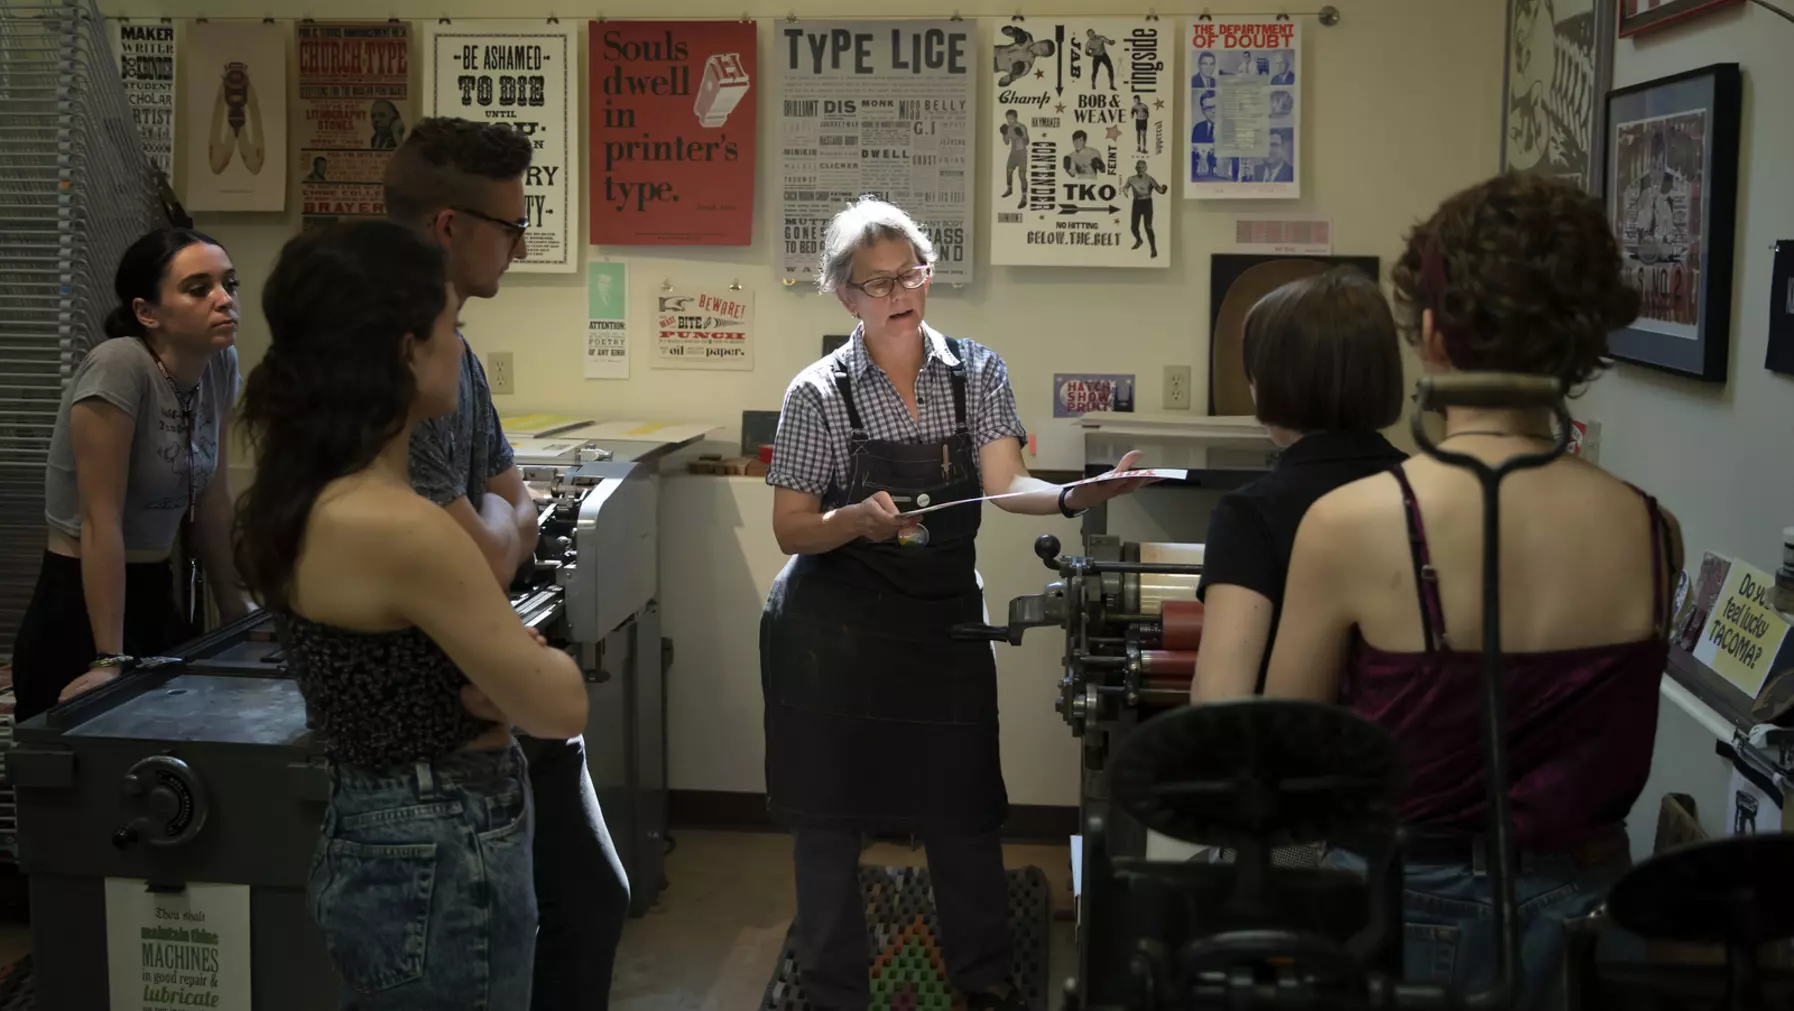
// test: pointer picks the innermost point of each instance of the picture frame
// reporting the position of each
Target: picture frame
(1555, 79)
(1780, 356)
(1671, 184)
(1236, 282)
(1635, 18)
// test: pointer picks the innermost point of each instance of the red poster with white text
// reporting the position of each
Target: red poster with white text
(673, 127)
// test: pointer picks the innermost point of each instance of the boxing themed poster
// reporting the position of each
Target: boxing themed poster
(673, 121)
(146, 54)
(522, 74)
(355, 106)
(1083, 128)
(881, 108)
(236, 151)
(1244, 109)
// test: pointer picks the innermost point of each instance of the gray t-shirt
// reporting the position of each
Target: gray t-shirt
(123, 373)
(455, 455)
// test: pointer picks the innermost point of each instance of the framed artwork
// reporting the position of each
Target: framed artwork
(1236, 282)
(1672, 193)
(1781, 311)
(1648, 15)
(1559, 67)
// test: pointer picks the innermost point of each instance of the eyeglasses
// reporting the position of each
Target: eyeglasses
(514, 229)
(879, 287)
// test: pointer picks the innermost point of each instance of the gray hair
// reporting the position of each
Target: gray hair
(868, 221)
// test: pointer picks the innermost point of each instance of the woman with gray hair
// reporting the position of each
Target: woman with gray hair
(876, 720)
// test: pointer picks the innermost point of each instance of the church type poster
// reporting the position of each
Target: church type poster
(1083, 124)
(1244, 107)
(146, 54)
(522, 74)
(236, 151)
(673, 120)
(355, 106)
(881, 108)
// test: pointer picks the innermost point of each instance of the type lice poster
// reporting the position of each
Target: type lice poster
(521, 73)
(704, 327)
(354, 102)
(882, 108)
(607, 320)
(1083, 114)
(673, 114)
(170, 951)
(1244, 109)
(146, 54)
(236, 150)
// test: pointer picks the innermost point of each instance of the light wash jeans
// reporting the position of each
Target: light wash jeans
(1448, 922)
(422, 883)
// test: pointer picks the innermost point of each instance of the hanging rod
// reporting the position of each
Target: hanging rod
(1328, 15)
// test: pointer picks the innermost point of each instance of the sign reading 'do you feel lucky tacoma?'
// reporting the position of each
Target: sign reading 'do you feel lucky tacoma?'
(1742, 640)
(522, 74)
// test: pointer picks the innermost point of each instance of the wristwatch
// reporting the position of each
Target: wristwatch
(1064, 493)
(112, 661)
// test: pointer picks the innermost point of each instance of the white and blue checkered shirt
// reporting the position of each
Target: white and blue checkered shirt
(810, 452)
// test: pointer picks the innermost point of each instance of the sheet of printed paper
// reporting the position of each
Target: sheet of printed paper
(172, 951)
(882, 108)
(607, 320)
(355, 106)
(1244, 107)
(1659, 177)
(1287, 236)
(524, 74)
(146, 59)
(1084, 123)
(704, 327)
(673, 127)
(1153, 473)
(236, 116)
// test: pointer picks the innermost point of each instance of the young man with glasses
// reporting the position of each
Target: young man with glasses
(461, 183)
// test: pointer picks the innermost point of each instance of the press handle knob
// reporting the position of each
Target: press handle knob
(1047, 547)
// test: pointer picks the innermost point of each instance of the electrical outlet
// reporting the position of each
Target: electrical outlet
(498, 372)
(1177, 388)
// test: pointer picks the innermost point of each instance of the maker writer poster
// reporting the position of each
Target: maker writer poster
(673, 121)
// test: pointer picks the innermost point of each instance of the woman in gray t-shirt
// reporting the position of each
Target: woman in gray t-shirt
(139, 437)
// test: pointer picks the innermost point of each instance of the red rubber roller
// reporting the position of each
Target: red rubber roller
(1182, 624)
(1162, 663)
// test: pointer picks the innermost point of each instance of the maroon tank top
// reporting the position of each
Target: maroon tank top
(1581, 723)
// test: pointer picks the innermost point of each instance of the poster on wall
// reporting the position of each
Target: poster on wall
(1076, 394)
(146, 55)
(523, 74)
(881, 108)
(355, 106)
(171, 951)
(1244, 107)
(1553, 104)
(607, 320)
(673, 120)
(236, 150)
(1083, 140)
(704, 327)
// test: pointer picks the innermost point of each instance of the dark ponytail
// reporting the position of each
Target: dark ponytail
(140, 274)
(334, 387)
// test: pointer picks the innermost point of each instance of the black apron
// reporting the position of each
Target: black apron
(876, 719)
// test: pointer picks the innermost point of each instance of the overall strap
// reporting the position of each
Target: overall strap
(844, 386)
(957, 375)
(1426, 578)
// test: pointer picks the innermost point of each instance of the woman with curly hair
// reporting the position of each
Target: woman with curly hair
(1383, 613)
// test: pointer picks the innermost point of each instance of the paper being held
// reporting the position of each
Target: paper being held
(1154, 474)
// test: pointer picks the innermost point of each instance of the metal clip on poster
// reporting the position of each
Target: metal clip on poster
(735, 285)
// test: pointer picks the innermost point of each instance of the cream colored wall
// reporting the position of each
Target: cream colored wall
(1401, 109)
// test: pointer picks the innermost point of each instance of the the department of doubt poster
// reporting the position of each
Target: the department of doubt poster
(522, 74)
(1244, 107)
(1083, 116)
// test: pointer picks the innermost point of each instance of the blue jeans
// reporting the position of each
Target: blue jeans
(422, 883)
(1448, 922)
